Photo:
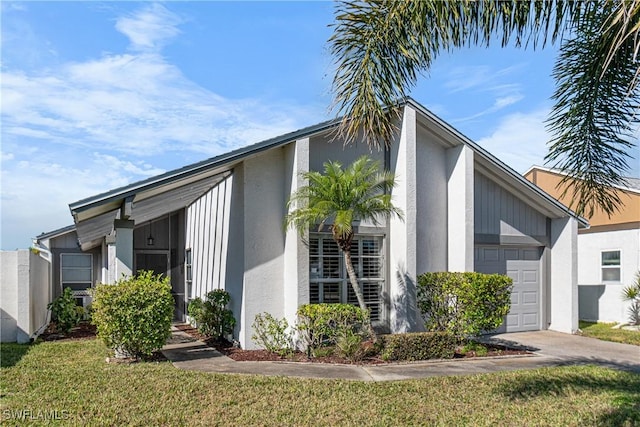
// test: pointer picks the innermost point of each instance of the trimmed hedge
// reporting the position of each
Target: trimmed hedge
(134, 316)
(418, 346)
(323, 324)
(465, 304)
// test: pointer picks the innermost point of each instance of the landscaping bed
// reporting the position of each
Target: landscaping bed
(228, 349)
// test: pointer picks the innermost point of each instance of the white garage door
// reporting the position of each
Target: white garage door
(523, 266)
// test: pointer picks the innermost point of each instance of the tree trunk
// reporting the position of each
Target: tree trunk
(354, 280)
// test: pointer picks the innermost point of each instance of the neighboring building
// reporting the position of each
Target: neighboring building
(608, 251)
(219, 224)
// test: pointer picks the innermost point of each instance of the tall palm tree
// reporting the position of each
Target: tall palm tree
(381, 46)
(339, 197)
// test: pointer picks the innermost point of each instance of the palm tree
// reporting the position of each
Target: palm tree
(381, 46)
(340, 197)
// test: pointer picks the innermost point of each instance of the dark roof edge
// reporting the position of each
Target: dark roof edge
(192, 169)
(54, 233)
(494, 160)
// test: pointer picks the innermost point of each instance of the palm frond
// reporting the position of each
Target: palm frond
(593, 116)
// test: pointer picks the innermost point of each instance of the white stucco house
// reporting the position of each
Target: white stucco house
(608, 251)
(219, 224)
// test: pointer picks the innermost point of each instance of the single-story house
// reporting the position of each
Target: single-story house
(219, 224)
(608, 251)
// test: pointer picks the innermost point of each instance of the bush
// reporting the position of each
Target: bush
(418, 346)
(212, 317)
(349, 345)
(465, 304)
(134, 315)
(271, 334)
(322, 324)
(65, 311)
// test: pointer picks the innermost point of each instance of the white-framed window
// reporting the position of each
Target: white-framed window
(610, 265)
(328, 279)
(76, 271)
(188, 272)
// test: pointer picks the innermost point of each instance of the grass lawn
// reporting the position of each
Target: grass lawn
(71, 381)
(603, 331)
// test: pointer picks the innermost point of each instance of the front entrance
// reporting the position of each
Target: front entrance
(159, 262)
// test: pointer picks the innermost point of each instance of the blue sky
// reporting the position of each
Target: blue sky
(96, 95)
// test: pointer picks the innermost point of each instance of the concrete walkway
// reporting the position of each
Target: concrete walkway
(549, 348)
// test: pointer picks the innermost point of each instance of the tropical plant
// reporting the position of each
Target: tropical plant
(632, 293)
(340, 197)
(381, 46)
(65, 311)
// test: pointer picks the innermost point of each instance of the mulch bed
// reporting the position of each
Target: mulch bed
(83, 331)
(228, 349)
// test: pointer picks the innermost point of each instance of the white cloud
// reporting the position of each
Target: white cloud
(80, 128)
(149, 28)
(519, 140)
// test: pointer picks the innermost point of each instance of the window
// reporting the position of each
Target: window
(76, 271)
(611, 266)
(328, 279)
(188, 272)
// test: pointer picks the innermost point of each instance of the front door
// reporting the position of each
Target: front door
(158, 262)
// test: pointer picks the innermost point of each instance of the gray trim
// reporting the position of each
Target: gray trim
(195, 168)
(56, 233)
(502, 239)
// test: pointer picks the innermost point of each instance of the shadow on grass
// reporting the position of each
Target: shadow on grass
(11, 353)
(626, 387)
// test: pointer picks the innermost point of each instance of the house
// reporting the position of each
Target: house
(608, 251)
(219, 224)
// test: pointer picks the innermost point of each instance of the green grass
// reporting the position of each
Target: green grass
(603, 331)
(71, 380)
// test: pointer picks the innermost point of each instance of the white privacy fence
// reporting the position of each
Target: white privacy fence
(25, 291)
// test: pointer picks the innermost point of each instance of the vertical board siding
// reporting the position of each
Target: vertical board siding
(207, 237)
(499, 212)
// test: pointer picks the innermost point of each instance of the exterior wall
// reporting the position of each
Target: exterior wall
(296, 253)
(431, 205)
(563, 286)
(207, 236)
(264, 210)
(550, 181)
(25, 291)
(460, 208)
(402, 236)
(599, 301)
(500, 213)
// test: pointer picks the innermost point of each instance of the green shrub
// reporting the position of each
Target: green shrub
(134, 315)
(418, 346)
(211, 315)
(66, 313)
(473, 346)
(465, 304)
(271, 334)
(322, 324)
(349, 345)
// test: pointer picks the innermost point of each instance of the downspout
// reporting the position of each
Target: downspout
(41, 251)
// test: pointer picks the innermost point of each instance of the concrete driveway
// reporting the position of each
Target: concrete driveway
(549, 348)
(574, 349)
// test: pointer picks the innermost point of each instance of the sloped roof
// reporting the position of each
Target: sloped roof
(94, 215)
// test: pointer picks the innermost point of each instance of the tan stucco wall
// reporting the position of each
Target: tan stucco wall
(549, 181)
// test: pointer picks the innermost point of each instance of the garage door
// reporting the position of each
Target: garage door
(523, 266)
